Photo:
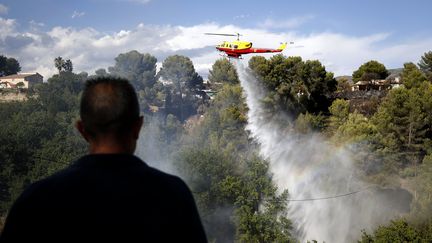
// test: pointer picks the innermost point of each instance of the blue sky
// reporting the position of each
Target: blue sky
(341, 34)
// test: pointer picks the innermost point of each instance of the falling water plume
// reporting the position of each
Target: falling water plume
(312, 168)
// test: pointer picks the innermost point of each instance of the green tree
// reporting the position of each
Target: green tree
(339, 111)
(356, 128)
(60, 93)
(206, 170)
(402, 128)
(412, 76)
(67, 66)
(38, 135)
(186, 84)
(370, 70)
(172, 129)
(396, 231)
(425, 92)
(425, 64)
(307, 123)
(403, 118)
(224, 121)
(398, 117)
(63, 65)
(8, 66)
(343, 85)
(38, 146)
(58, 63)
(138, 68)
(261, 213)
(421, 206)
(294, 86)
(223, 71)
(226, 185)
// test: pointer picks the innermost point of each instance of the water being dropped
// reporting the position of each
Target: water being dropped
(311, 168)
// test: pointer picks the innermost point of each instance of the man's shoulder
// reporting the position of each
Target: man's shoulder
(165, 179)
(89, 169)
(48, 184)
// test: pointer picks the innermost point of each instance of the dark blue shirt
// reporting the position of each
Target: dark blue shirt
(105, 197)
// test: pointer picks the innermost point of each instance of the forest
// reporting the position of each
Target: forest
(204, 139)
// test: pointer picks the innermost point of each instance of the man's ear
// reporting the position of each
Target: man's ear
(136, 128)
(80, 127)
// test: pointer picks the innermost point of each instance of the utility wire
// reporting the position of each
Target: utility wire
(287, 200)
(329, 197)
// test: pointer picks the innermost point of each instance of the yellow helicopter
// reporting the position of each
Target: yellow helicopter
(237, 48)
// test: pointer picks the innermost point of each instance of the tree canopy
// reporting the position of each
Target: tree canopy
(295, 86)
(63, 65)
(186, 85)
(138, 68)
(223, 72)
(425, 64)
(412, 77)
(370, 70)
(8, 66)
(180, 71)
(397, 231)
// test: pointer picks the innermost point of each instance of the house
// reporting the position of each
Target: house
(21, 80)
(395, 80)
(360, 85)
(363, 85)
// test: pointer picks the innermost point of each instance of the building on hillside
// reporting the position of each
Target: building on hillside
(209, 94)
(371, 85)
(395, 80)
(360, 85)
(21, 80)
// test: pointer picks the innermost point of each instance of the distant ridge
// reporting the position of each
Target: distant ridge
(395, 71)
(348, 77)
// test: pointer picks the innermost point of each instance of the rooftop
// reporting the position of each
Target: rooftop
(19, 75)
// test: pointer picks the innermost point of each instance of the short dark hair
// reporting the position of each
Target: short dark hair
(109, 105)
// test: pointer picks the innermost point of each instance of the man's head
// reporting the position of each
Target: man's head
(110, 117)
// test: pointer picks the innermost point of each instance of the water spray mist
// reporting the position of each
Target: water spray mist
(311, 168)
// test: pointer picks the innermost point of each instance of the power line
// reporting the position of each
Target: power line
(329, 197)
(287, 200)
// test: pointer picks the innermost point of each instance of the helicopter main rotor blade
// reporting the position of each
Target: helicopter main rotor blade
(220, 34)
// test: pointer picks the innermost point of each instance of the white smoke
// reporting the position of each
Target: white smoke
(310, 167)
(152, 148)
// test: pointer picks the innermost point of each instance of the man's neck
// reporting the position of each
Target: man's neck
(110, 148)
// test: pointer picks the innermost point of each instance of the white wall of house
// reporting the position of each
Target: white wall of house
(28, 80)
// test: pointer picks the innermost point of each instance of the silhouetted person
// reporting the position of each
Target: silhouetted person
(108, 195)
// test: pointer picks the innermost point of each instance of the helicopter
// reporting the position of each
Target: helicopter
(237, 48)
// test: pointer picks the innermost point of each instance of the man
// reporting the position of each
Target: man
(109, 194)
